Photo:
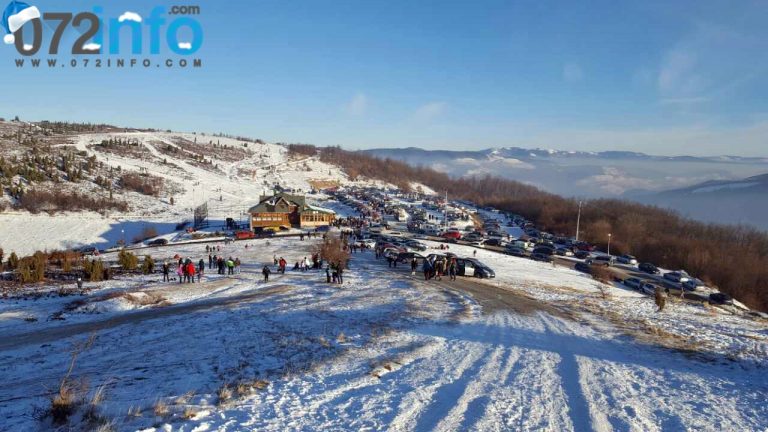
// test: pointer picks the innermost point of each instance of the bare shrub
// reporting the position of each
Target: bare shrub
(142, 183)
(332, 249)
(224, 394)
(36, 201)
(70, 393)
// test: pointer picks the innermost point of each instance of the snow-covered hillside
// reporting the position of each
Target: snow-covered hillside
(229, 174)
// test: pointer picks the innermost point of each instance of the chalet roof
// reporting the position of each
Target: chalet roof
(268, 204)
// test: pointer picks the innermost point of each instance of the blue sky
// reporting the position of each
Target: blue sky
(657, 77)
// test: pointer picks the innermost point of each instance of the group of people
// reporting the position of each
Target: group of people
(437, 267)
(186, 270)
(228, 266)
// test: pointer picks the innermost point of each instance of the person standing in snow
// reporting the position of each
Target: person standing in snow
(452, 269)
(230, 266)
(192, 271)
(211, 259)
(328, 274)
(166, 270)
(180, 272)
(200, 269)
(414, 264)
(427, 268)
(266, 271)
(237, 265)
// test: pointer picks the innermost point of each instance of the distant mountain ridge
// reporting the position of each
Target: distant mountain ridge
(524, 153)
(743, 201)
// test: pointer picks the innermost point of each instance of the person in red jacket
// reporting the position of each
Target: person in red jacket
(191, 271)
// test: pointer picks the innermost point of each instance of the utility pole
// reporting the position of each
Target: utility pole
(445, 212)
(609, 243)
(578, 221)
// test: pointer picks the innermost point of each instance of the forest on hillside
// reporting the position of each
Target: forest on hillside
(731, 258)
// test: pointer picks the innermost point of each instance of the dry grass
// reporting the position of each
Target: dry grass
(224, 394)
(185, 398)
(141, 299)
(161, 408)
(260, 384)
(63, 404)
(135, 411)
(324, 342)
(189, 413)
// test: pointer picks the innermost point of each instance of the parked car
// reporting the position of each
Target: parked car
(648, 268)
(633, 282)
(648, 288)
(582, 254)
(455, 235)
(86, 250)
(473, 267)
(492, 242)
(676, 276)
(516, 251)
(603, 260)
(693, 284)
(415, 245)
(473, 237)
(583, 267)
(158, 242)
(563, 251)
(584, 246)
(541, 257)
(627, 259)
(545, 250)
(368, 243)
(720, 298)
(244, 235)
(406, 257)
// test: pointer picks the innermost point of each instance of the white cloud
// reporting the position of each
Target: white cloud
(358, 105)
(572, 73)
(430, 111)
(185, 45)
(129, 16)
(615, 182)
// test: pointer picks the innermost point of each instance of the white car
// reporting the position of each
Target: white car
(368, 243)
(677, 277)
(627, 259)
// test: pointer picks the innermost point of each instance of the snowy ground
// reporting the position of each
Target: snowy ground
(230, 189)
(538, 348)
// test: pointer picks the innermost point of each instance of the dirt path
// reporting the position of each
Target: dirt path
(69, 330)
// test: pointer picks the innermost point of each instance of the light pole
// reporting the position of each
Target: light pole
(578, 222)
(609, 244)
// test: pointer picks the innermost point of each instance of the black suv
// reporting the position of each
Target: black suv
(648, 268)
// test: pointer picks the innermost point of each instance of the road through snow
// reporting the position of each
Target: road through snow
(388, 351)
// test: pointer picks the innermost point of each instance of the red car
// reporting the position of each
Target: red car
(451, 235)
(244, 235)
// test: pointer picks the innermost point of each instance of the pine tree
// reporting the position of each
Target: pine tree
(148, 267)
